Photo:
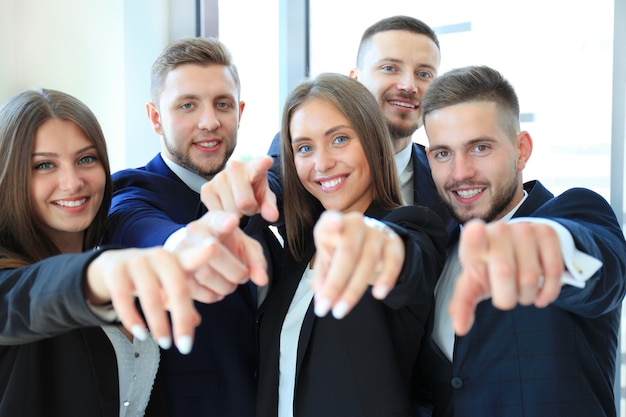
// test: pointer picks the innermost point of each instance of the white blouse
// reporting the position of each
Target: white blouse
(289, 336)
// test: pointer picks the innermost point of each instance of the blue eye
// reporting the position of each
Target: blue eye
(87, 159)
(424, 74)
(304, 149)
(44, 165)
(341, 139)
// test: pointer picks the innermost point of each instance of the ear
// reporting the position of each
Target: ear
(354, 73)
(525, 149)
(154, 117)
(242, 105)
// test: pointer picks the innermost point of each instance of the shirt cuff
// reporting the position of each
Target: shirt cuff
(579, 266)
(175, 239)
(104, 312)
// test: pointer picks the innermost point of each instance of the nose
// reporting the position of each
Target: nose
(463, 168)
(324, 160)
(408, 83)
(70, 179)
(209, 120)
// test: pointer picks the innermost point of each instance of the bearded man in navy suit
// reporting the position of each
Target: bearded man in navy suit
(527, 308)
(195, 110)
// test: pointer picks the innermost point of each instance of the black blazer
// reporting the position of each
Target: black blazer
(51, 363)
(360, 365)
(557, 361)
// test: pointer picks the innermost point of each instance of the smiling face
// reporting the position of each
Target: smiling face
(397, 67)
(197, 117)
(476, 165)
(329, 157)
(68, 181)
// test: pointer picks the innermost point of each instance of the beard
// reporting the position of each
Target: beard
(401, 132)
(185, 161)
(499, 203)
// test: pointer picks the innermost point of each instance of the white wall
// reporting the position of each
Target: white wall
(97, 50)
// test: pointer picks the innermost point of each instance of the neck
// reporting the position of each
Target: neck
(400, 144)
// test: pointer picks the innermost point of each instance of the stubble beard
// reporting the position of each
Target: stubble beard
(499, 203)
(400, 132)
(185, 161)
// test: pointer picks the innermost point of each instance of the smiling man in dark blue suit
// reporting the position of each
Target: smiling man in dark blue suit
(195, 110)
(527, 309)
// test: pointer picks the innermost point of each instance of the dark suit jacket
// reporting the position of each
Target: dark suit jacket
(359, 366)
(425, 192)
(558, 361)
(51, 363)
(218, 377)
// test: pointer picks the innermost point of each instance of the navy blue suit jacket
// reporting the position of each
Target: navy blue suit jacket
(218, 377)
(558, 361)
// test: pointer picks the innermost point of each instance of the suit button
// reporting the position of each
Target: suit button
(457, 382)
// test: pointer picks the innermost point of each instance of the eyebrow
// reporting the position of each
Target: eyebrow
(86, 148)
(400, 61)
(327, 133)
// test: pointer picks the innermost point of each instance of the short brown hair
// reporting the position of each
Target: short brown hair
(406, 23)
(199, 51)
(472, 84)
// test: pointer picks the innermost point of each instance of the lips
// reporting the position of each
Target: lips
(331, 183)
(404, 104)
(469, 193)
(70, 203)
(208, 144)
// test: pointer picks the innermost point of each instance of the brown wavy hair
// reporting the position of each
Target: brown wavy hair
(22, 238)
(359, 106)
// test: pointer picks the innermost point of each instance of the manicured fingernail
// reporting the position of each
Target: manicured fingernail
(380, 291)
(165, 342)
(340, 310)
(139, 332)
(184, 344)
(322, 305)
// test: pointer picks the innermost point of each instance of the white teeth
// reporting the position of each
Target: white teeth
(74, 203)
(403, 104)
(208, 144)
(469, 193)
(332, 183)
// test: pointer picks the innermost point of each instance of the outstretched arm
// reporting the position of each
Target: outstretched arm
(242, 188)
(511, 263)
(212, 260)
(352, 253)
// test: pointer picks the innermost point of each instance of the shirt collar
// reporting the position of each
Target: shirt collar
(403, 158)
(510, 214)
(192, 180)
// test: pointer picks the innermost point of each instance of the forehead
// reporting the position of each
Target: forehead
(59, 134)
(402, 45)
(462, 123)
(316, 113)
(199, 80)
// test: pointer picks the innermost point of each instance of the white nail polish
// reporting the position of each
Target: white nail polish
(322, 305)
(165, 342)
(184, 344)
(380, 291)
(340, 310)
(139, 332)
